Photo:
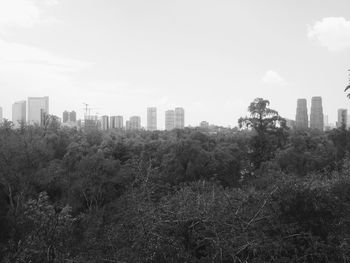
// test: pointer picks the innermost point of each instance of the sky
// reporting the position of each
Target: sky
(210, 57)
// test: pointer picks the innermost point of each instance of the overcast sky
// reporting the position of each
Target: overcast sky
(210, 57)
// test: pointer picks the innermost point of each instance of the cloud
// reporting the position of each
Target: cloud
(331, 32)
(12, 54)
(25, 13)
(271, 77)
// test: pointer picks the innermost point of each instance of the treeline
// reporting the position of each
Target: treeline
(263, 193)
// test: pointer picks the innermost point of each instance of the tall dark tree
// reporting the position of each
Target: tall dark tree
(270, 130)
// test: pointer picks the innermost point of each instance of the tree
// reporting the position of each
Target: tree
(348, 87)
(270, 130)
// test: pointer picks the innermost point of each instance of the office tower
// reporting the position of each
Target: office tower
(179, 118)
(316, 117)
(325, 120)
(151, 119)
(65, 116)
(38, 108)
(291, 124)
(1, 117)
(116, 122)
(19, 111)
(127, 125)
(342, 118)
(169, 120)
(301, 118)
(91, 122)
(135, 123)
(204, 125)
(104, 123)
(73, 116)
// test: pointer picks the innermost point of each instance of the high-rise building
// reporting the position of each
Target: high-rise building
(91, 122)
(204, 125)
(316, 117)
(1, 116)
(19, 111)
(69, 116)
(116, 122)
(135, 123)
(179, 118)
(65, 116)
(73, 116)
(291, 124)
(104, 122)
(151, 118)
(127, 125)
(301, 118)
(342, 118)
(38, 108)
(169, 120)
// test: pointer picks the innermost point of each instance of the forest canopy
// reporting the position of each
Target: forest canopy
(261, 193)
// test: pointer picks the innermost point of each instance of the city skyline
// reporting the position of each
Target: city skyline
(174, 119)
(170, 54)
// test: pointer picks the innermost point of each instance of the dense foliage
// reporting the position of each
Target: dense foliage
(260, 194)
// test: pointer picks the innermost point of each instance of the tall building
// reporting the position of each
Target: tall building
(151, 118)
(301, 118)
(19, 111)
(65, 116)
(291, 124)
(342, 118)
(38, 108)
(105, 123)
(204, 125)
(1, 116)
(135, 123)
(179, 118)
(73, 116)
(316, 117)
(91, 122)
(69, 116)
(116, 122)
(169, 120)
(127, 125)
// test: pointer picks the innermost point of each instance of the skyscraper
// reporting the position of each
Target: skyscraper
(342, 118)
(135, 123)
(179, 118)
(316, 117)
(19, 111)
(301, 118)
(38, 108)
(169, 120)
(151, 119)
(204, 125)
(116, 122)
(104, 123)
(73, 116)
(65, 116)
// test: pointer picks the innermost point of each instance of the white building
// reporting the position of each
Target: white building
(19, 112)
(116, 122)
(179, 118)
(38, 108)
(105, 123)
(135, 123)
(169, 120)
(151, 119)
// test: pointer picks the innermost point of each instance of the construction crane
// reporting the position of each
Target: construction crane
(87, 110)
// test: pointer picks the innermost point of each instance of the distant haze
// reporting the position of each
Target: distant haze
(210, 57)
